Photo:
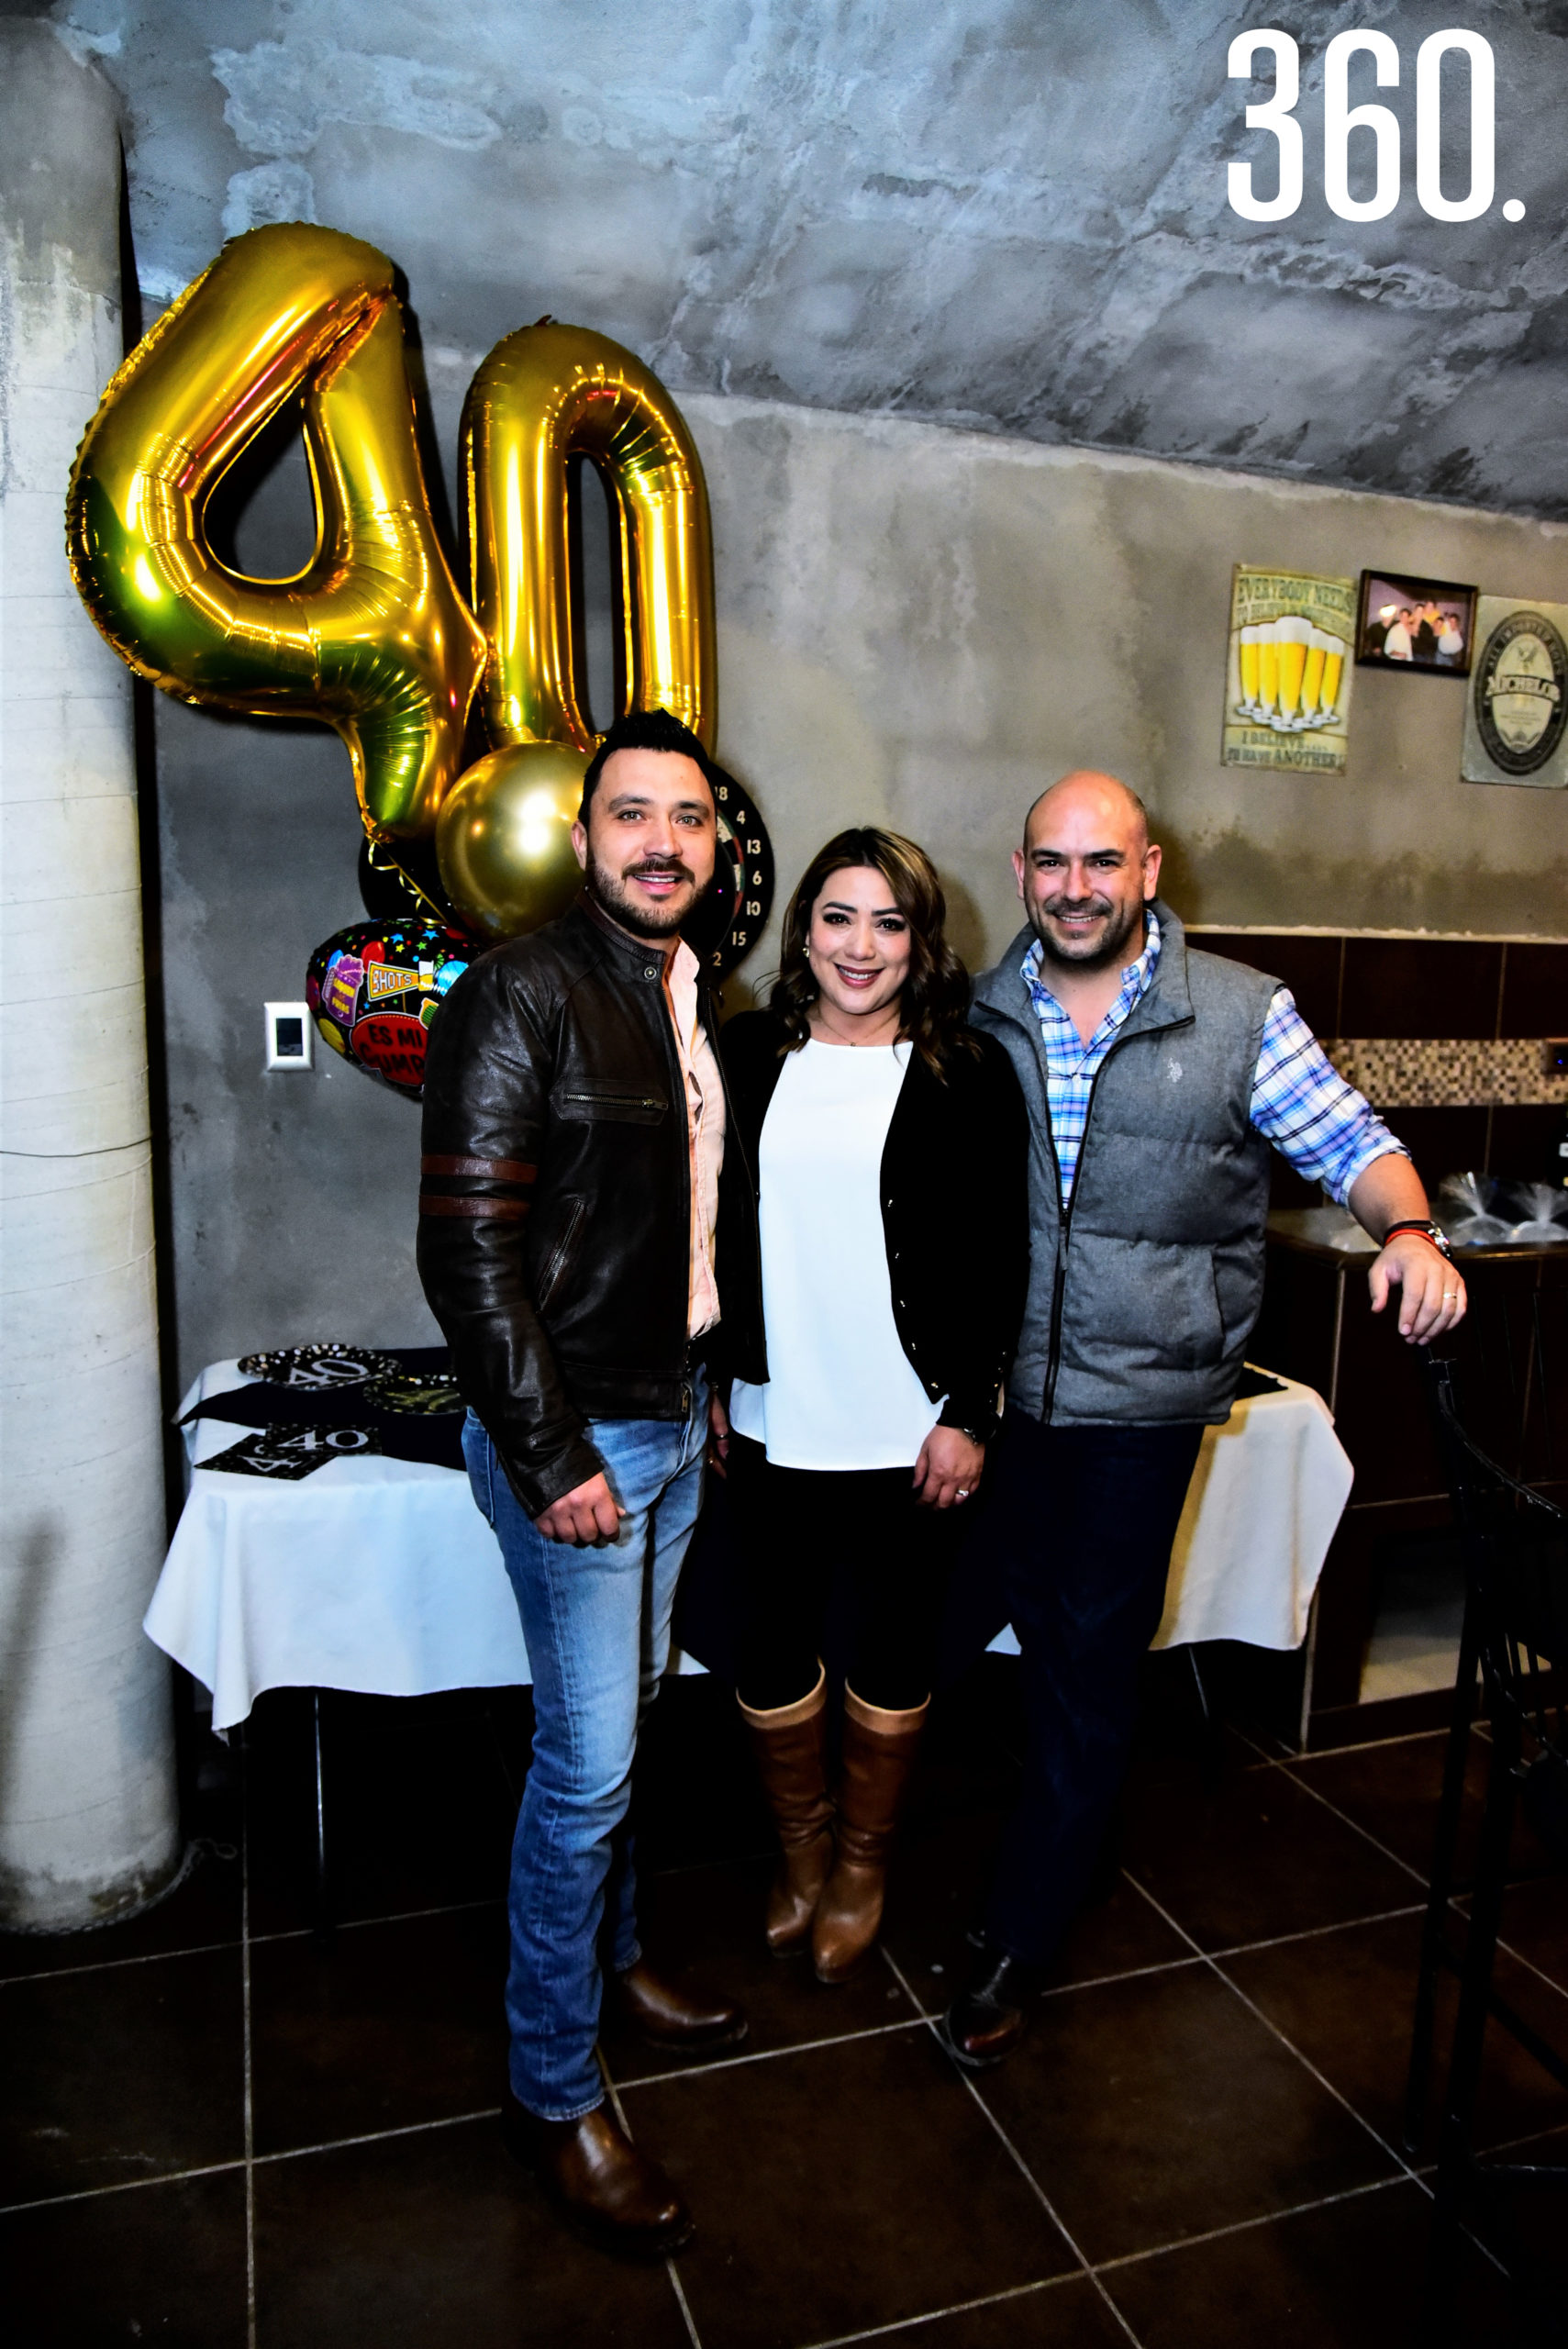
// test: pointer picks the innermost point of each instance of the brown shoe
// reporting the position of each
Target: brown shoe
(669, 2017)
(788, 1746)
(610, 2193)
(879, 1751)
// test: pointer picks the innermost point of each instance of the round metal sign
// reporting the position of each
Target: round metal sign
(1520, 704)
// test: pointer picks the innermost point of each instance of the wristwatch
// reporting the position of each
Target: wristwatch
(1432, 1231)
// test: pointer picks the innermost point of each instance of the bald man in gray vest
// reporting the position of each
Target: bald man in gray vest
(1158, 1080)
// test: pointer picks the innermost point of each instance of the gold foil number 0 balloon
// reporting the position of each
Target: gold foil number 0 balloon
(543, 397)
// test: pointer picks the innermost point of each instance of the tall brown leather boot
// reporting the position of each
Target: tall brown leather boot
(879, 1751)
(788, 1746)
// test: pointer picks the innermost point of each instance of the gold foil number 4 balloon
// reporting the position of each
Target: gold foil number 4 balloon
(371, 636)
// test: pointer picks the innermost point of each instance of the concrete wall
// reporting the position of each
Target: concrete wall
(919, 626)
(994, 212)
(930, 625)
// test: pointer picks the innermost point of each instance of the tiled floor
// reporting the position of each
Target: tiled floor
(218, 2130)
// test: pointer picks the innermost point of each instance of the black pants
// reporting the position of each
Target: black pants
(1075, 1534)
(797, 1531)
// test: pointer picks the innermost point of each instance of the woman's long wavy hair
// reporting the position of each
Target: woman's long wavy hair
(936, 994)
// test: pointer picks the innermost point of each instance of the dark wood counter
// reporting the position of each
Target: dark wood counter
(1512, 1351)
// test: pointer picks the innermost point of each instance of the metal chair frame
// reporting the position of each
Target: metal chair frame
(1514, 1545)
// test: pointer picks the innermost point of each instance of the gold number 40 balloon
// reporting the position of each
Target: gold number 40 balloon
(373, 636)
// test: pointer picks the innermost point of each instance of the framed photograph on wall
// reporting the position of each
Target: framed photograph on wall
(1406, 623)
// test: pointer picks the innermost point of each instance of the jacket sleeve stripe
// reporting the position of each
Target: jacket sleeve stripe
(495, 1170)
(503, 1211)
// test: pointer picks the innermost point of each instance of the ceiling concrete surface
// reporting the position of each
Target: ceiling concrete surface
(1008, 215)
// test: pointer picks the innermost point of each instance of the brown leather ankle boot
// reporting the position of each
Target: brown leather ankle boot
(879, 1750)
(612, 2194)
(788, 1746)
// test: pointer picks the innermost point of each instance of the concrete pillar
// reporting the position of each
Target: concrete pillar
(87, 1800)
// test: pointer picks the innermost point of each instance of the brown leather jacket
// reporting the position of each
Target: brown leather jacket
(555, 1204)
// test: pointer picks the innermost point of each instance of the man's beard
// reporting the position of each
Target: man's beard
(1113, 943)
(609, 889)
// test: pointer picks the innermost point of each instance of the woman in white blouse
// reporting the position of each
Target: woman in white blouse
(873, 1259)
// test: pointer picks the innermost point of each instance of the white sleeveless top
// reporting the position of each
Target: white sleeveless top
(841, 1392)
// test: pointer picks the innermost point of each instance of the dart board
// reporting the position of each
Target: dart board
(730, 921)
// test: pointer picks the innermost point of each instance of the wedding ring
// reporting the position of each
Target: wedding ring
(1449, 1296)
(964, 1491)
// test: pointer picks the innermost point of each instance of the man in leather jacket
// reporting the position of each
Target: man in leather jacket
(574, 1130)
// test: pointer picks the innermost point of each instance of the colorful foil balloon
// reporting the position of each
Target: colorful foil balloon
(374, 990)
(371, 636)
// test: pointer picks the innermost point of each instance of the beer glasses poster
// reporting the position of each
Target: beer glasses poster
(1287, 673)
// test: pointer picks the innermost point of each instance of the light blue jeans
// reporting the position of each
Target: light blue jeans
(597, 1626)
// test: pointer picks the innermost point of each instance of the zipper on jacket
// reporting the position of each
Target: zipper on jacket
(617, 1100)
(1059, 1288)
(560, 1255)
(1059, 1291)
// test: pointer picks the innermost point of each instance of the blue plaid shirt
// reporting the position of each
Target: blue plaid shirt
(1328, 1131)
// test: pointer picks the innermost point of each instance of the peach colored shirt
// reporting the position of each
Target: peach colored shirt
(704, 1133)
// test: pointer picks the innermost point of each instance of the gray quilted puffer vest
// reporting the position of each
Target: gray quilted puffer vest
(1141, 1299)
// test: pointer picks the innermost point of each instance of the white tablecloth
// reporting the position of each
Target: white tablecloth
(381, 1574)
(1269, 1489)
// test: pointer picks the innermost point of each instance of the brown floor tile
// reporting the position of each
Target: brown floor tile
(165, 2264)
(1392, 1791)
(203, 1911)
(840, 2187)
(1534, 1922)
(122, 2074)
(1527, 2229)
(702, 1928)
(1346, 2000)
(936, 1893)
(1122, 1933)
(388, 2026)
(1253, 1856)
(438, 2239)
(1066, 2314)
(1157, 2108)
(1343, 2276)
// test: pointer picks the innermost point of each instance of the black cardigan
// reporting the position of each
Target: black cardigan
(954, 1213)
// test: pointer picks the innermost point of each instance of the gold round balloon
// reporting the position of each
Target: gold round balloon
(503, 838)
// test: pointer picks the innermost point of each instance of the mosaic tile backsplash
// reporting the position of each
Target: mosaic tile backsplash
(1445, 1072)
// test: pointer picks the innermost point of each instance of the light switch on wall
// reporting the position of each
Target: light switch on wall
(288, 1035)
